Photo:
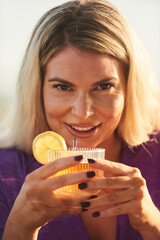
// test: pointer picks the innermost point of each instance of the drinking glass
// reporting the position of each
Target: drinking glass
(91, 153)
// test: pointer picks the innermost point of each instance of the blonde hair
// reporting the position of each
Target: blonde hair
(92, 26)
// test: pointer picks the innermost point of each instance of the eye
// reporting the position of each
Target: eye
(104, 86)
(62, 87)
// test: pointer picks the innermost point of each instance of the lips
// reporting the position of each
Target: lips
(82, 130)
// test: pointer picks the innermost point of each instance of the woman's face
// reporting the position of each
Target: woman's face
(84, 95)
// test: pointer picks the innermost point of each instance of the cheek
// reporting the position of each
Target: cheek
(118, 104)
(54, 107)
(113, 106)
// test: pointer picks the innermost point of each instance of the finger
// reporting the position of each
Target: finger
(48, 186)
(69, 201)
(125, 208)
(110, 167)
(55, 166)
(68, 179)
(121, 182)
(43, 189)
(41, 197)
(110, 198)
(111, 183)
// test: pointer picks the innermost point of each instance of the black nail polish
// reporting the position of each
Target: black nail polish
(96, 214)
(85, 204)
(82, 185)
(78, 158)
(91, 174)
(84, 209)
(91, 160)
(92, 197)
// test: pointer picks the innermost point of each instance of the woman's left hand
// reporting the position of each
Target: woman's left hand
(124, 192)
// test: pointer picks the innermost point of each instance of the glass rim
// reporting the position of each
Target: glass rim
(79, 150)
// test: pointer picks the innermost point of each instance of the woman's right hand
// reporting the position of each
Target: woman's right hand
(36, 203)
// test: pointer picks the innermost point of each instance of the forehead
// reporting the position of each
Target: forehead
(72, 63)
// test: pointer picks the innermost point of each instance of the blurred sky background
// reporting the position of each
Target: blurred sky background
(18, 18)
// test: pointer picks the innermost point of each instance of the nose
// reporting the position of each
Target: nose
(83, 106)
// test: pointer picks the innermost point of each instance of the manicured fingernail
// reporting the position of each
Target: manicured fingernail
(82, 185)
(91, 174)
(85, 204)
(94, 196)
(96, 214)
(84, 209)
(78, 158)
(91, 160)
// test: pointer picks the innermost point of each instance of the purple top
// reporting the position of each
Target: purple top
(15, 165)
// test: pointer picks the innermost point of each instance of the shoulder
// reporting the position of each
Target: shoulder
(14, 166)
(148, 151)
(145, 157)
(154, 144)
(14, 161)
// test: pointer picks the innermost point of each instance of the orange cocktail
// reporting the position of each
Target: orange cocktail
(91, 153)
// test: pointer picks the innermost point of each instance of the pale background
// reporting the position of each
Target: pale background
(18, 18)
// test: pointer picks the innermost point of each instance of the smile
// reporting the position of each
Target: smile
(82, 131)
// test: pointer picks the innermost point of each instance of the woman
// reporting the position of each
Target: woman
(83, 75)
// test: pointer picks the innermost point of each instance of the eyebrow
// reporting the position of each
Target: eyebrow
(57, 79)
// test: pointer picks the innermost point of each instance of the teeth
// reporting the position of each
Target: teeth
(82, 129)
